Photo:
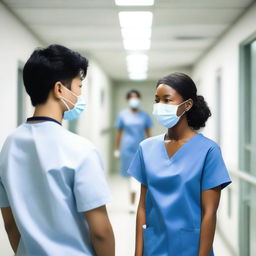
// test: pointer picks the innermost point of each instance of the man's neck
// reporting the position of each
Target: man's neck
(47, 111)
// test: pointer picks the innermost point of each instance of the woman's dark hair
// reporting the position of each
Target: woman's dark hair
(129, 94)
(185, 86)
(46, 66)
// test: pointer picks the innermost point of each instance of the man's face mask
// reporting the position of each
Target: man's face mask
(75, 112)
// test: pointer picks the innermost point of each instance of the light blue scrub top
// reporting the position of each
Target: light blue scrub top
(133, 126)
(174, 188)
(49, 177)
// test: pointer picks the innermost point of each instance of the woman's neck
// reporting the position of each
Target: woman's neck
(181, 131)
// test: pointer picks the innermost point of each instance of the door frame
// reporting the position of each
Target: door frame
(244, 125)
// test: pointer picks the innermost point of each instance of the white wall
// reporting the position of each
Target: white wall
(225, 56)
(16, 44)
(95, 123)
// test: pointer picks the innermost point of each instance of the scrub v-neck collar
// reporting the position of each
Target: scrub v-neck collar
(179, 150)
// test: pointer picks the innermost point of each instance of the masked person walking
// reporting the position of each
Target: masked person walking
(133, 125)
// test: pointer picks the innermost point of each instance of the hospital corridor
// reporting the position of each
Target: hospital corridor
(151, 104)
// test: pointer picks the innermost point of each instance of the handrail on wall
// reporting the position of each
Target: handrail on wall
(244, 176)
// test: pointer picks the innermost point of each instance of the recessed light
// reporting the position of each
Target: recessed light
(135, 19)
(133, 33)
(134, 2)
(136, 45)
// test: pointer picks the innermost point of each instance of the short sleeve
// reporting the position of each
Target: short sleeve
(148, 122)
(137, 167)
(119, 124)
(215, 172)
(3, 196)
(90, 186)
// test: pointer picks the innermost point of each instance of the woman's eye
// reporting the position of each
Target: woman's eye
(167, 100)
(156, 101)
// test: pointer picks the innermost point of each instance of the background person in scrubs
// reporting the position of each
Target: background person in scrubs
(52, 187)
(133, 125)
(181, 174)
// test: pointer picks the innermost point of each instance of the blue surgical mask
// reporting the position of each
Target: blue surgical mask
(75, 112)
(166, 114)
(134, 103)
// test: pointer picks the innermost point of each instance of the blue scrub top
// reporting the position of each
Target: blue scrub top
(49, 177)
(174, 187)
(133, 126)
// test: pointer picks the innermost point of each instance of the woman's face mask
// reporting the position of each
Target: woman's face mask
(166, 114)
(75, 112)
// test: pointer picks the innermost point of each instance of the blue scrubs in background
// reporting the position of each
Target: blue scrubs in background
(174, 186)
(133, 126)
(50, 177)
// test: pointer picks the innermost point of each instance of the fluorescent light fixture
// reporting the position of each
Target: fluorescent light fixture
(138, 76)
(136, 44)
(135, 19)
(140, 70)
(134, 2)
(137, 57)
(137, 68)
(141, 33)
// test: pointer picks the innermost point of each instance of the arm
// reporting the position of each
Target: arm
(118, 138)
(148, 132)
(11, 228)
(210, 203)
(101, 231)
(140, 221)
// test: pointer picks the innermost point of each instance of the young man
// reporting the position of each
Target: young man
(52, 187)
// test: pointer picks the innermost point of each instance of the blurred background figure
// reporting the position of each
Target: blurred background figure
(133, 125)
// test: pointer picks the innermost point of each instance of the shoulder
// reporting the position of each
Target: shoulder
(151, 141)
(79, 142)
(144, 113)
(15, 134)
(123, 112)
(209, 143)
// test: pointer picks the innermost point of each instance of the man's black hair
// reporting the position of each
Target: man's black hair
(46, 66)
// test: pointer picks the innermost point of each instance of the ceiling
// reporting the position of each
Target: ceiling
(182, 30)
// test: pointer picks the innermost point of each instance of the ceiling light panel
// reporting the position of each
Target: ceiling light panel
(134, 2)
(135, 19)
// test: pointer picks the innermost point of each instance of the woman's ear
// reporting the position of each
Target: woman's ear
(189, 104)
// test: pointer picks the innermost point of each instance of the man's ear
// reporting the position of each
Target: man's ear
(57, 90)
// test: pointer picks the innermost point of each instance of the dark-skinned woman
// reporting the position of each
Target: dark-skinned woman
(181, 172)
